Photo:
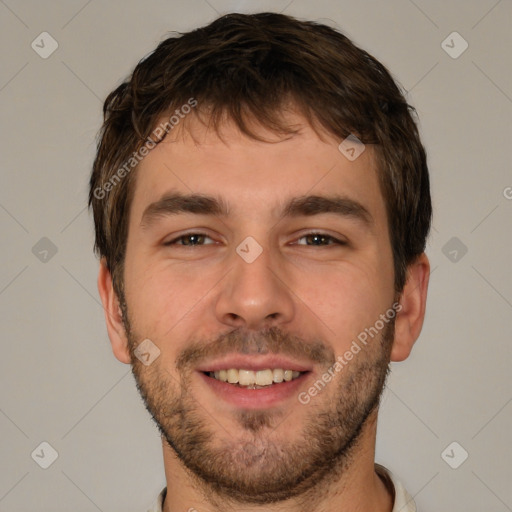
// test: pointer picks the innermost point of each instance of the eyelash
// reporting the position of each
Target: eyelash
(312, 234)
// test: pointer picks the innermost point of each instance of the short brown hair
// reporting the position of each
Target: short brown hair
(250, 68)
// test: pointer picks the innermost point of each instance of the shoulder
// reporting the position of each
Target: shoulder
(403, 501)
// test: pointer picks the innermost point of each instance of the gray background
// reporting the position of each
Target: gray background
(59, 381)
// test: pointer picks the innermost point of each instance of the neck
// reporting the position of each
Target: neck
(351, 488)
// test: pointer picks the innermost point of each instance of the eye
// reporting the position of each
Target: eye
(319, 239)
(190, 240)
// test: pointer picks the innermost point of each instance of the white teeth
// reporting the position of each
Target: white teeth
(246, 377)
(278, 375)
(264, 377)
(232, 375)
(255, 378)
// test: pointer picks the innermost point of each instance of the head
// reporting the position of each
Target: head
(232, 230)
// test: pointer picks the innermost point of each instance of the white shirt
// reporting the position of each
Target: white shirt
(403, 500)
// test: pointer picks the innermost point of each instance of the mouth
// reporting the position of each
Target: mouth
(258, 381)
(254, 379)
(255, 390)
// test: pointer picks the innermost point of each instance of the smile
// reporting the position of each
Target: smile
(251, 379)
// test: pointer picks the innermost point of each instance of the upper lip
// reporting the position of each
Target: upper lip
(254, 362)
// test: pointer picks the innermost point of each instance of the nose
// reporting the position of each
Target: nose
(254, 294)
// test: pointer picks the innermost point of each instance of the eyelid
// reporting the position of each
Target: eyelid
(183, 235)
(335, 239)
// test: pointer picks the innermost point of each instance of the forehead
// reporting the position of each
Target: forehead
(252, 175)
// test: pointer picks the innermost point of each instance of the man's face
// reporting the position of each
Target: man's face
(276, 282)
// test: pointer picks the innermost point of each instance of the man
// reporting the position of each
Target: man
(261, 203)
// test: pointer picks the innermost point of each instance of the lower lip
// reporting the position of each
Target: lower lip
(255, 398)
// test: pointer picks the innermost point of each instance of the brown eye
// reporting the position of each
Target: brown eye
(190, 240)
(319, 239)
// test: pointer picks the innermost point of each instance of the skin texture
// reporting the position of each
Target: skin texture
(195, 302)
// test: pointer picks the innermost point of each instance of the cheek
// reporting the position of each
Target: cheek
(346, 298)
(161, 294)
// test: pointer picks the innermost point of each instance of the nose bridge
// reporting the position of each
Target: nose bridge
(253, 294)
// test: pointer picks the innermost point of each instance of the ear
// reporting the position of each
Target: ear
(413, 299)
(113, 315)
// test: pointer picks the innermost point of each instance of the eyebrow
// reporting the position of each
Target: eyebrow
(175, 203)
(200, 204)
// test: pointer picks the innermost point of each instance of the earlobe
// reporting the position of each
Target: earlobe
(113, 314)
(409, 320)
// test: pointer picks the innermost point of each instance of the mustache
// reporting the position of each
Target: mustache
(272, 340)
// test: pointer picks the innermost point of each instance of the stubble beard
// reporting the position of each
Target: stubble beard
(261, 464)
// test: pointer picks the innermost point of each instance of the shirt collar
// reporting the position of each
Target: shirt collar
(403, 502)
